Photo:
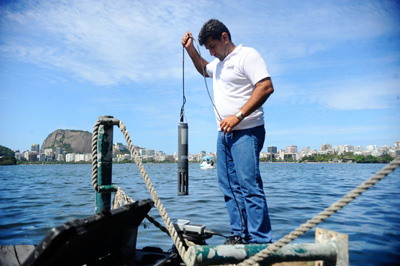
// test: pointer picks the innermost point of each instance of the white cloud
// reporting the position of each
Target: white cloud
(100, 41)
(363, 92)
(359, 94)
(123, 41)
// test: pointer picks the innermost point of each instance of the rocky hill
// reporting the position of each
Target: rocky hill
(74, 141)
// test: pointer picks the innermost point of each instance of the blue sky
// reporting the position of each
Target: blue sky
(335, 66)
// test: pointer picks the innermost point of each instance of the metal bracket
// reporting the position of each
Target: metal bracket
(108, 120)
(340, 241)
(108, 188)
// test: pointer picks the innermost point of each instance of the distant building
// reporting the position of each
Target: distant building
(48, 152)
(88, 157)
(50, 158)
(59, 150)
(339, 149)
(123, 157)
(60, 157)
(35, 147)
(348, 148)
(281, 154)
(359, 148)
(376, 153)
(79, 157)
(272, 149)
(150, 152)
(384, 150)
(25, 155)
(70, 157)
(371, 147)
(32, 157)
(290, 156)
(325, 147)
(397, 144)
(291, 149)
(18, 156)
(119, 147)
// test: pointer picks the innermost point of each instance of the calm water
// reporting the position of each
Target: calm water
(35, 198)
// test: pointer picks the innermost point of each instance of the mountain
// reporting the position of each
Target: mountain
(71, 141)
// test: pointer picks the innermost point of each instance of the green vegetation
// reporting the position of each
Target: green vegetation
(59, 144)
(7, 156)
(7, 160)
(4, 151)
(346, 157)
(372, 159)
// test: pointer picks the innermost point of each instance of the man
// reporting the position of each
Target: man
(241, 86)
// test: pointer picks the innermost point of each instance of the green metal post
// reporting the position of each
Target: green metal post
(104, 161)
(330, 247)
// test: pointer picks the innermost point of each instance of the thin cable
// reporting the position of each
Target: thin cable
(225, 143)
(205, 81)
(183, 86)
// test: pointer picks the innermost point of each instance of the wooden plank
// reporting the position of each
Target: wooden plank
(14, 255)
(23, 252)
(8, 256)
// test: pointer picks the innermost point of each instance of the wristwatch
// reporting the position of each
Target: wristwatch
(239, 115)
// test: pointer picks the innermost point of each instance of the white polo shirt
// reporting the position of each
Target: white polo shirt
(234, 80)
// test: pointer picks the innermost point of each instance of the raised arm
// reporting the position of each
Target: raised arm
(199, 62)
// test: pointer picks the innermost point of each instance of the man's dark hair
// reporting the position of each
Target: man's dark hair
(213, 28)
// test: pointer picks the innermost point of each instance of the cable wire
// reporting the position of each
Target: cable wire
(183, 87)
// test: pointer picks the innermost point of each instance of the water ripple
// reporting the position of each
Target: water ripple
(39, 197)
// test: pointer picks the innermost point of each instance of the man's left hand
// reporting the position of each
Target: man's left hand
(229, 123)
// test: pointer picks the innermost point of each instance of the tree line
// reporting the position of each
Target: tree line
(347, 157)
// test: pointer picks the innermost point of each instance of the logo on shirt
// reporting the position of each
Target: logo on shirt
(230, 67)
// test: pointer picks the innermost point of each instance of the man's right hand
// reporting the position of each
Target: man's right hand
(198, 61)
(187, 40)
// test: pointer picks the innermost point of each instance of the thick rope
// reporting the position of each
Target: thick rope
(170, 227)
(95, 137)
(167, 221)
(120, 198)
(304, 228)
(262, 255)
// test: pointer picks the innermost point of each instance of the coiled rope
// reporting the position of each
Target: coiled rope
(304, 228)
(95, 137)
(167, 221)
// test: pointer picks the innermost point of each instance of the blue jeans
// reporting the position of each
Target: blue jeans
(239, 156)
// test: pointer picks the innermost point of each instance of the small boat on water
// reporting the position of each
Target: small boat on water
(207, 162)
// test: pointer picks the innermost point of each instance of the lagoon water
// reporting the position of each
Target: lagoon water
(35, 198)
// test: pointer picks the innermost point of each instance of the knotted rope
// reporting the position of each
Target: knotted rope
(304, 228)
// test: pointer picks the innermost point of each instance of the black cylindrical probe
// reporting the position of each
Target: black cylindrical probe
(183, 160)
